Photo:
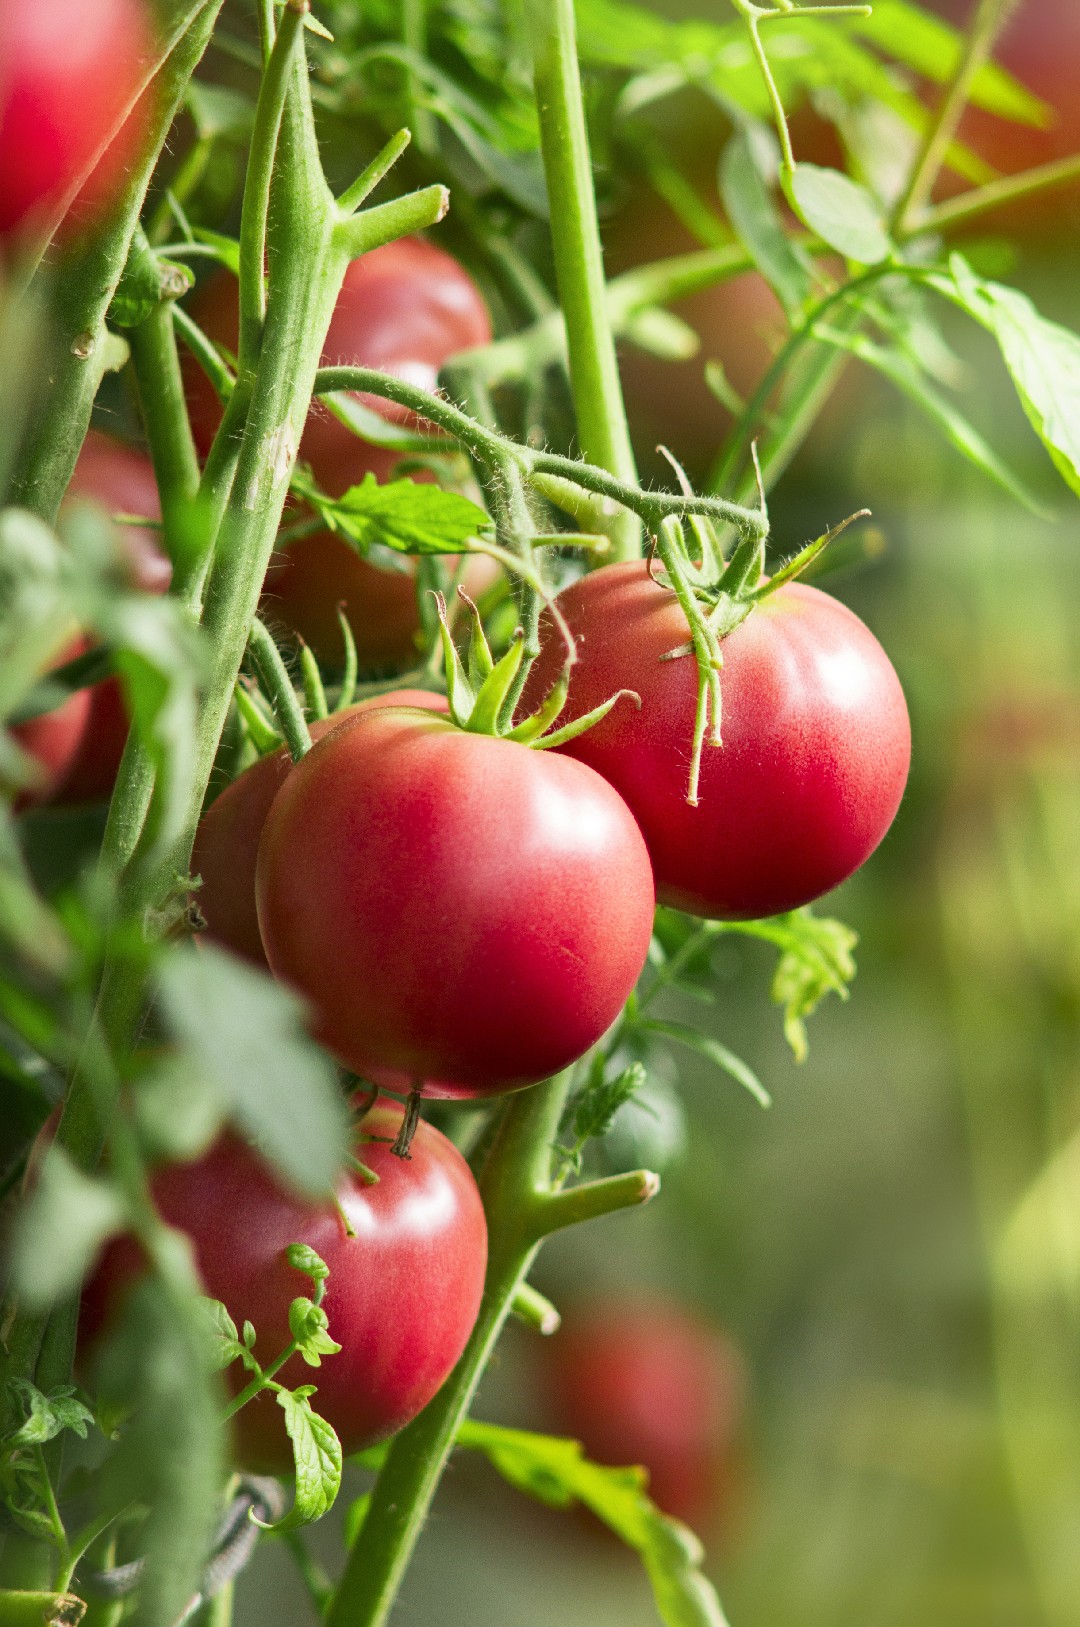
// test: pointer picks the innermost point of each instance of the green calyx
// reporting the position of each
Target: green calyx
(716, 595)
(481, 692)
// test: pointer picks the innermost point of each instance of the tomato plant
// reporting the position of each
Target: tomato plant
(816, 740)
(67, 75)
(433, 947)
(227, 843)
(454, 898)
(405, 1246)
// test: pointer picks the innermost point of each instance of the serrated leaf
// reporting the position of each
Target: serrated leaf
(902, 371)
(593, 1109)
(308, 1325)
(757, 223)
(59, 1231)
(557, 1472)
(317, 1457)
(46, 1416)
(224, 1338)
(711, 1048)
(816, 960)
(243, 1033)
(406, 515)
(843, 213)
(1042, 358)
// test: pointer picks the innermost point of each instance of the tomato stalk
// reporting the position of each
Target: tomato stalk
(83, 293)
(579, 262)
(524, 1205)
(279, 687)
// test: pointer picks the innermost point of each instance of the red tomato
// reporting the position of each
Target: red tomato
(120, 479)
(227, 841)
(53, 740)
(402, 1295)
(68, 69)
(457, 909)
(655, 1385)
(403, 308)
(815, 728)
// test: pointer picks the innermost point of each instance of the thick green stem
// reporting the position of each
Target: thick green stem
(161, 394)
(278, 686)
(579, 263)
(83, 294)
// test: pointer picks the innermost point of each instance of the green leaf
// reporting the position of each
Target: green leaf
(932, 47)
(591, 1111)
(224, 1338)
(816, 960)
(317, 1456)
(59, 1231)
(1043, 359)
(843, 213)
(242, 1033)
(405, 515)
(308, 1324)
(46, 1416)
(903, 371)
(556, 1472)
(177, 1112)
(739, 1070)
(302, 1257)
(157, 1373)
(371, 426)
(757, 222)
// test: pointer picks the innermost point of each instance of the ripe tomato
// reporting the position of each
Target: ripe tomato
(815, 728)
(457, 908)
(650, 1383)
(402, 1295)
(227, 841)
(403, 308)
(68, 69)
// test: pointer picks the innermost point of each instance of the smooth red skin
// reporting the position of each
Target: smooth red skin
(121, 480)
(815, 728)
(654, 1385)
(402, 1295)
(68, 69)
(227, 841)
(458, 909)
(403, 308)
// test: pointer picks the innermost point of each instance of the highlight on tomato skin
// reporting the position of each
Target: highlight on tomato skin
(816, 739)
(402, 1295)
(227, 840)
(646, 1380)
(458, 909)
(68, 71)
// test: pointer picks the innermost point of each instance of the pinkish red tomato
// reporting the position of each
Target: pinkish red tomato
(403, 1292)
(457, 909)
(227, 841)
(68, 71)
(815, 729)
(653, 1384)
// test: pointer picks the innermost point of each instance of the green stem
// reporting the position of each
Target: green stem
(83, 294)
(1009, 189)
(156, 365)
(264, 138)
(990, 18)
(279, 687)
(488, 445)
(579, 265)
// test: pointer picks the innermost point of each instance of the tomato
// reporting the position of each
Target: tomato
(68, 70)
(53, 740)
(227, 841)
(403, 308)
(402, 1295)
(653, 1384)
(458, 909)
(815, 729)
